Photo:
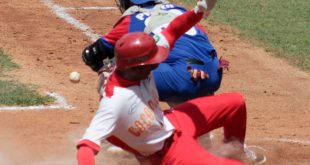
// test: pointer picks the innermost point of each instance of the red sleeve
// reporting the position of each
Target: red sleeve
(86, 152)
(180, 25)
(120, 28)
(85, 156)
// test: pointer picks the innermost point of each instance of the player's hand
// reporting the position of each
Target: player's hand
(197, 74)
(224, 64)
(204, 6)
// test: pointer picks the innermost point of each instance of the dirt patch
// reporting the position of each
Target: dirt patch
(48, 49)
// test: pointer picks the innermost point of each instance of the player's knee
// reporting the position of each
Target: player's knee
(238, 101)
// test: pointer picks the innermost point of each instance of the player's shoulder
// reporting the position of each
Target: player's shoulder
(172, 6)
(119, 93)
(121, 99)
(125, 92)
(122, 21)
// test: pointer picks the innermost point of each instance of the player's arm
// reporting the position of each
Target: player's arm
(86, 152)
(94, 54)
(184, 22)
(100, 128)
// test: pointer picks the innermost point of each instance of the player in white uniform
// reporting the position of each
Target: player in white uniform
(129, 115)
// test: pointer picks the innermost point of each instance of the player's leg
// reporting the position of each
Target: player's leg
(199, 116)
(186, 150)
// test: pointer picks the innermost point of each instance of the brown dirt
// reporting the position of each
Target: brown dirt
(48, 49)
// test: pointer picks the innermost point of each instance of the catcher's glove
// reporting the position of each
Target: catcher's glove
(94, 54)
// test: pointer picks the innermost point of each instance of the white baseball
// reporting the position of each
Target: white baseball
(74, 77)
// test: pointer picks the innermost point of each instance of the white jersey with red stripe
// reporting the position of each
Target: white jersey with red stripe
(129, 115)
(129, 112)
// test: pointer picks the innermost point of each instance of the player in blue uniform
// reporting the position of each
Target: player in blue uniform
(192, 69)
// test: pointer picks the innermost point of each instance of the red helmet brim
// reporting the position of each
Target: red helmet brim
(160, 56)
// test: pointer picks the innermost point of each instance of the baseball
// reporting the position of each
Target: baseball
(74, 77)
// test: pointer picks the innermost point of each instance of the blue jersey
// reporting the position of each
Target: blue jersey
(172, 79)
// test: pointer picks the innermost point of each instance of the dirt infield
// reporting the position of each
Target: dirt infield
(48, 48)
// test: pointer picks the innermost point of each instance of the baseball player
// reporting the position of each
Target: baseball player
(192, 68)
(129, 115)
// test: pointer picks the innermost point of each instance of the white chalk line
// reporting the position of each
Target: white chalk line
(61, 12)
(61, 103)
(285, 140)
(254, 146)
(91, 8)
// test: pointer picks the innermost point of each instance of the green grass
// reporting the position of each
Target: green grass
(13, 93)
(283, 26)
(6, 63)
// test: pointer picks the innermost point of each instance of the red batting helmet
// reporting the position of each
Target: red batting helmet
(137, 49)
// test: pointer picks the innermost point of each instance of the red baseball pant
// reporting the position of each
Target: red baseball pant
(199, 116)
